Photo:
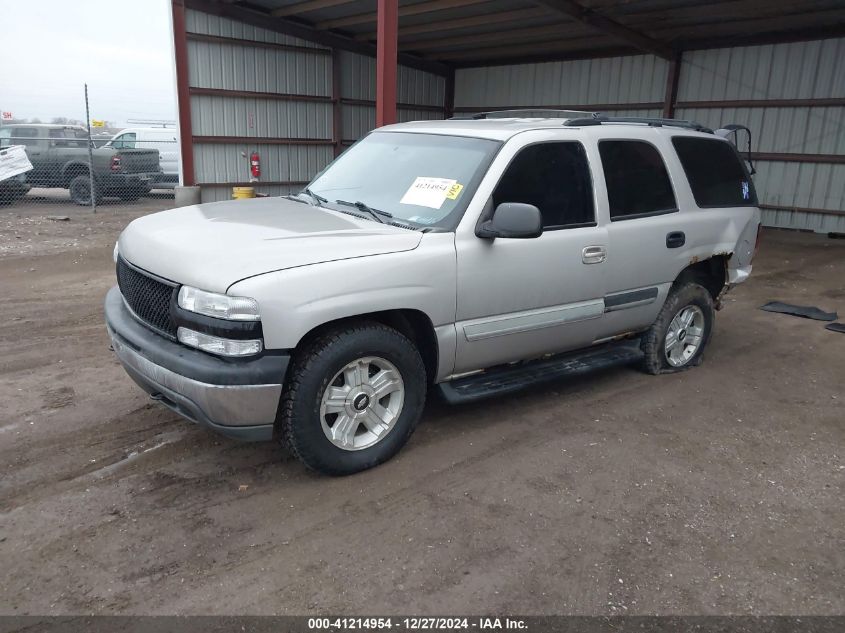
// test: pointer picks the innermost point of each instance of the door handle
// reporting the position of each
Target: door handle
(593, 254)
(676, 239)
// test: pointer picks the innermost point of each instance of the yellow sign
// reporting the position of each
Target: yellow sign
(96, 123)
(454, 190)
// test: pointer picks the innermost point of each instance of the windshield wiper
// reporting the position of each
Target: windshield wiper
(314, 196)
(375, 213)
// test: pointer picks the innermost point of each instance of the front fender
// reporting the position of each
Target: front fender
(294, 301)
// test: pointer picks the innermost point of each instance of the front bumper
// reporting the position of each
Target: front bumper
(237, 398)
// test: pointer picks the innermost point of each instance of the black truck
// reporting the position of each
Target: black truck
(60, 158)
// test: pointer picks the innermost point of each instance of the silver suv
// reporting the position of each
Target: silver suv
(476, 255)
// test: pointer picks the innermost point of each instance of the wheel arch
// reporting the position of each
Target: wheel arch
(712, 273)
(71, 171)
(411, 323)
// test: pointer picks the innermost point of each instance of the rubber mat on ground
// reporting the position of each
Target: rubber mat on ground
(835, 327)
(807, 312)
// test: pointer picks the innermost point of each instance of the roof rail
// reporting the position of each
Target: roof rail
(599, 119)
(559, 114)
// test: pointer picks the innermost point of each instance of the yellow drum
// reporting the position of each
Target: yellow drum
(242, 193)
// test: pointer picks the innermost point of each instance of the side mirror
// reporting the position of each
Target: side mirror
(514, 220)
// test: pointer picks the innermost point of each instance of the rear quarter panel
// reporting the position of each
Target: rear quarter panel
(710, 231)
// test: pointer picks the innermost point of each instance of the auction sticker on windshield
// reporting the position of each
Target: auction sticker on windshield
(431, 192)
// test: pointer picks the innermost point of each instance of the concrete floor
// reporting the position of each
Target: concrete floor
(714, 491)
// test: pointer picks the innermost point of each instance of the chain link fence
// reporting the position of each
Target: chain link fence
(86, 166)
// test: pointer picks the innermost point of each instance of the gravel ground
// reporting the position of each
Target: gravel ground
(714, 491)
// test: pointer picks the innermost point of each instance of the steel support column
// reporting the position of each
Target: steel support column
(672, 79)
(183, 92)
(337, 106)
(387, 44)
(449, 96)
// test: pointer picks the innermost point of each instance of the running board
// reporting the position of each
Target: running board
(510, 378)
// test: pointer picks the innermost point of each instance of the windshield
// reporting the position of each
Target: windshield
(425, 179)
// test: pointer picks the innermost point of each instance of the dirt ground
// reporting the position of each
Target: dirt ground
(714, 491)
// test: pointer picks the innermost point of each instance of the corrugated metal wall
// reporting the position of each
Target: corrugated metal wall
(612, 80)
(292, 120)
(802, 70)
(234, 118)
(358, 83)
(799, 70)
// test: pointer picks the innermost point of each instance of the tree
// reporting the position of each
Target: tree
(63, 120)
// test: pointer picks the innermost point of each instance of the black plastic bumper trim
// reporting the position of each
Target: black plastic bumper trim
(269, 367)
(190, 411)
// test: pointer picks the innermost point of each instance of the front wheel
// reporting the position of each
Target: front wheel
(354, 398)
(678, 337)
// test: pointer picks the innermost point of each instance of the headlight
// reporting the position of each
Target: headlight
(115, 253)
(217, 345)
(217, 305)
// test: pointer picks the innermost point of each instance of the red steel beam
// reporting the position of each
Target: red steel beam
(603, 24)
(672, 78)
(238, 41)
(449, 96)
(399, 105)
(592, 107)
(824, 102)
(252, 94)
(785, 157)
(183, 95)
(337, 108)
(263, 140)
(387, 44)
(778, 207)
(263, 183)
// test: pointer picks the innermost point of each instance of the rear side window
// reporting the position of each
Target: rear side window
(67, 137)
(715, 172)
(638, 184)
(555, 178)
(25, 136)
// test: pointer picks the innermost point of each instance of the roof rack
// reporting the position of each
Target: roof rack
(580, 118)
(599, 119)
(523, 112)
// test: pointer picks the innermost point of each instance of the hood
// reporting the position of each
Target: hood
(212, 246)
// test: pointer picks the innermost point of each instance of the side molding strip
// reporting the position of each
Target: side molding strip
(533, 320)
(630, 299)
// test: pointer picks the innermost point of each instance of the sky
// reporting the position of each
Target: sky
(123, 49)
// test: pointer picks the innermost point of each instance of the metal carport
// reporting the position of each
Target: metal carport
(300, 79)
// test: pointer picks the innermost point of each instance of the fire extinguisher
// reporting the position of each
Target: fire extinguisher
(255, 166)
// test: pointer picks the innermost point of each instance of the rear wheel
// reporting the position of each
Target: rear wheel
(354, 398)
(80, 191)
(677, 339)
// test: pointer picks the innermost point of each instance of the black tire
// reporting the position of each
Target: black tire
(80, 191)
(680, 297)
(299, 421)
(10, 196)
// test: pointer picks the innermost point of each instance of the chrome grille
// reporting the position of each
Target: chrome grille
(147, 297)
